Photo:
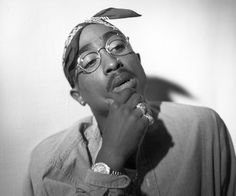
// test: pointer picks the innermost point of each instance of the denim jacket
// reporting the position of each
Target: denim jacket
(189, 152)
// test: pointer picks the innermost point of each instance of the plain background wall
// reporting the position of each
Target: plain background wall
(187, 43)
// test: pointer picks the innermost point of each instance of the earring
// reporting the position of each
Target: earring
(82, 102)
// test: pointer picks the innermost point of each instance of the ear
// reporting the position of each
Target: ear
(139, 57)
(76, 95)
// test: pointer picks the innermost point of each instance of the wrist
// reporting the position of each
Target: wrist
(114, 161)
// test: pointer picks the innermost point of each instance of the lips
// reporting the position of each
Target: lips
(128, 84)
(122, 81)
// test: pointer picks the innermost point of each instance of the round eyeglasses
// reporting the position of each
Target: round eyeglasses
(116, 45)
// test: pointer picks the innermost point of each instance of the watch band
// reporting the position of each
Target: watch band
(103, 168)
(116, 173)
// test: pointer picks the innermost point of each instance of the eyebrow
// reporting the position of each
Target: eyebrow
(105, 36)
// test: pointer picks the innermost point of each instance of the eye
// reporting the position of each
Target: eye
(117, 46)
(90, 60)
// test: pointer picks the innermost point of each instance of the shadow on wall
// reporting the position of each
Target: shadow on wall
(158, 89)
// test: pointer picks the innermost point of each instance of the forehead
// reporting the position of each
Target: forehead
(93, 32)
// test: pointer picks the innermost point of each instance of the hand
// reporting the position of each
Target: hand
(122, 130)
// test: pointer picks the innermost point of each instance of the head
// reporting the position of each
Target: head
(99, 62)
(114, 73)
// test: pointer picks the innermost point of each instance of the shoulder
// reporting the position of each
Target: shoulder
(187, 113)
(65, 137)
(187, 119)
(52, 150)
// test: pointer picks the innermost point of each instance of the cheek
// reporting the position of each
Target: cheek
(91, 85)
(135, 66)
(142, 79)
(92, 89)
(87, 81)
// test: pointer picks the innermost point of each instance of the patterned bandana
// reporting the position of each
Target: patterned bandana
(71, 49)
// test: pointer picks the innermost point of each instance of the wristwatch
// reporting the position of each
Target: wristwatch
(103, 168)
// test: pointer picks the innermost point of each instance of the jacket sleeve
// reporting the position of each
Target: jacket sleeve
(227, 160)
(94, 184)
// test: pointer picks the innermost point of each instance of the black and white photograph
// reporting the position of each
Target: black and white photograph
(118, 97)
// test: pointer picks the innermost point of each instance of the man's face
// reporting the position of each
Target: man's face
(114, 74)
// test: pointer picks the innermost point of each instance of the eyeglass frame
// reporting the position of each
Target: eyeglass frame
(79, 68)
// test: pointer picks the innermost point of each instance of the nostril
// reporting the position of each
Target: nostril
(119, 64)
(115, 66)
(109, 70)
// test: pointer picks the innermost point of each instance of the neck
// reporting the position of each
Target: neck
(100, 118)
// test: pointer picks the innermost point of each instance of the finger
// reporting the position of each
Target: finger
(134, 100)
(109, 101)
(138, 113)
(124, 95)
(145, 121)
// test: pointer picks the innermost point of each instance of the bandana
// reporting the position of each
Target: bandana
(71, 49)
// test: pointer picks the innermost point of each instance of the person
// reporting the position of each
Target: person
(129, 146)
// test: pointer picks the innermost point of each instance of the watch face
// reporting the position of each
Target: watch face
(101, 168)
